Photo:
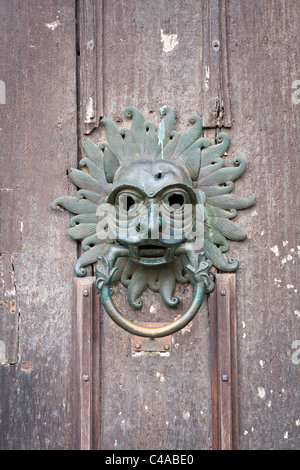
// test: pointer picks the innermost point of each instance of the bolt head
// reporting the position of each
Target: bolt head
(138, 346)
(85, 378)
(85, 293)
(223, 292)
(167, 347)
(225, 378)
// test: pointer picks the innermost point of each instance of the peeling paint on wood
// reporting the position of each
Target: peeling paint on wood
(53, 25)
(169, 41)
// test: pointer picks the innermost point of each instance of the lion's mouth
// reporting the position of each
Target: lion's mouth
(151, 254)
(151, 250)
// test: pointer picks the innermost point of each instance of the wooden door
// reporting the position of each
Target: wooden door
(66, 64)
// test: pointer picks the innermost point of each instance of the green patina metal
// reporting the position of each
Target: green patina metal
(148, 168)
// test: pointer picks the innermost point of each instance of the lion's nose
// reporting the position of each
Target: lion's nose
(154, 219)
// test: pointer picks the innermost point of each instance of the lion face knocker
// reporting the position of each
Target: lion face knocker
(155, 208)
(151, 198)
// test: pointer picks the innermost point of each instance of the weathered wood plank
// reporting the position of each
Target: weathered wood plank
(263, 57)
(153, 54)
(38, 131)
(156, 401)
(216, 100)
(150, 58)
(11, 224)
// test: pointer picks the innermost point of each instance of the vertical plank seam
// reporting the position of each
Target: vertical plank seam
(77, 79)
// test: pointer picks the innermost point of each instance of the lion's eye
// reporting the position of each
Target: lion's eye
(128, 202)
(176, 201)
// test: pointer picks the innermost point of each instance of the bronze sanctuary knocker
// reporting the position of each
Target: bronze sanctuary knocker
(155, 208)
